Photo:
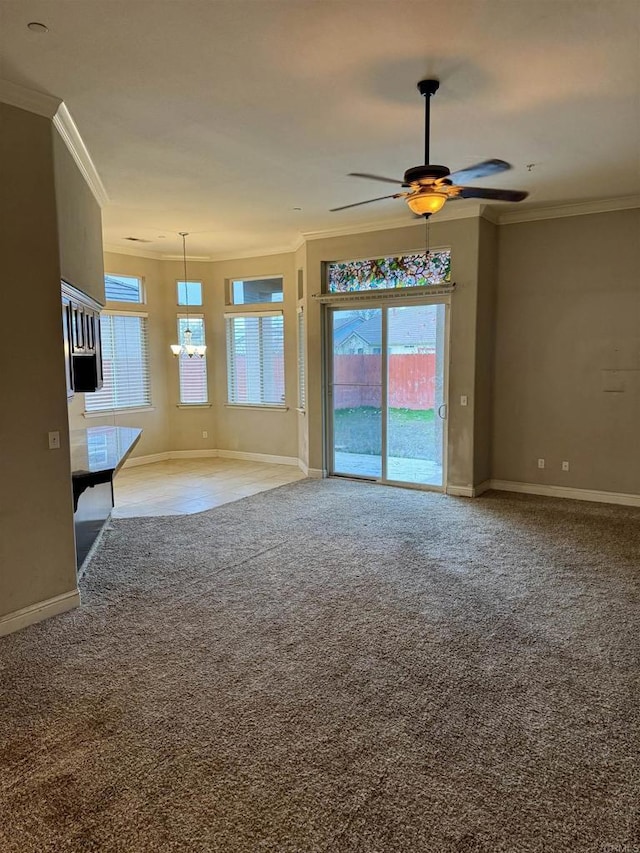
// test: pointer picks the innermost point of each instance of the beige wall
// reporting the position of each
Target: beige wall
(79, 225)
(462, 237)
(528, 347)
(272, 432)
(485, 340)
(155, 422)
(37, 557)
(171, 426)
(568, 314)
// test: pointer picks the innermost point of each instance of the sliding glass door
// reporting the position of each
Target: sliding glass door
(356, 392)
(387, 393)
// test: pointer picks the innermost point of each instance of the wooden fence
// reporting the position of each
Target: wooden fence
(412, 381)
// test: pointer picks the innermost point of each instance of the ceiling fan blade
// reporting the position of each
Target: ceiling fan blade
(375, 178)
(480, 170)
(358, 203)
(497, 195)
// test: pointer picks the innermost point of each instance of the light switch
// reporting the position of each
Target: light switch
(54, 440)
(463, 400)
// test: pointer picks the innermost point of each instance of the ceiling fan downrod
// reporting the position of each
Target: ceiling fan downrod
(427, 88)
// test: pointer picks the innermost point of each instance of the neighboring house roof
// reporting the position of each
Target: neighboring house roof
(119, 290)
(406, 328)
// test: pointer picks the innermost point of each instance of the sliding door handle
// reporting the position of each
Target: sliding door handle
(442, 411)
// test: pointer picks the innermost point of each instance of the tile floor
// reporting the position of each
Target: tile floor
(182, 486)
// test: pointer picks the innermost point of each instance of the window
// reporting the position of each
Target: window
(302, 365)
(256, 290)
(193, 371)
(189, 293)
(255, 358)
(384, 273)
(123, 288)
(125, 364)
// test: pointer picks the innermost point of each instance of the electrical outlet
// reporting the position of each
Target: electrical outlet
(540, 463)
(205, 434)
(565, 466)
(54, 440)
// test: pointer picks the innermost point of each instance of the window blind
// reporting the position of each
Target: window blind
(255, 358)
(302, 366)
(125, 364)
(193, 371)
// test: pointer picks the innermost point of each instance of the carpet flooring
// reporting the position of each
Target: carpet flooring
(336, 666)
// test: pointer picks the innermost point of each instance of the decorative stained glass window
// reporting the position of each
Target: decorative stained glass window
(384, 273)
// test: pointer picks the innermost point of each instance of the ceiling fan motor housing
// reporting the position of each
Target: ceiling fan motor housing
(425, 174)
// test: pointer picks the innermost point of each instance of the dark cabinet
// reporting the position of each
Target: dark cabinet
(82, 344)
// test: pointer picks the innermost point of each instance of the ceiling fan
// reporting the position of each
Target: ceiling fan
(430, 186)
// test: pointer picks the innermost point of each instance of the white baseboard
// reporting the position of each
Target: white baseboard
(192, 454)
(460, 491)
(208, 454)
(316, 473)
(566, 492)
(304, 468)
(39, 611)
(133, 462)
(481, 488)
(258, 457)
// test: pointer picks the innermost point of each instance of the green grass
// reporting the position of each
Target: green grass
(359, 430)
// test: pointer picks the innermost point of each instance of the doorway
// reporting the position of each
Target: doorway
(387, 393)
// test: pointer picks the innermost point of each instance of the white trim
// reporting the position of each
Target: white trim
(490, 214)
(421, 293)
(135, 461)
(259, 253)
(28, 99)
(66, 127)
(126, 250)
(243, 312)
(460, 491)
(446, 214)
(106, 413)
(303, 467)
(169, 257)
(481, 488)
(566, 492)
(258, 457)
(559, 211)
(37, 612)
(316, 473)
(119, 312)
(192, 454)
(268, 407)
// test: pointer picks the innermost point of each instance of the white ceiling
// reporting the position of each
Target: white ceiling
(219, 117)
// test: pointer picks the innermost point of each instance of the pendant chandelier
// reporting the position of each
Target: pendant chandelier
(186, 347)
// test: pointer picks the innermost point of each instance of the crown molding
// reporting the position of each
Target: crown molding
(55, 109)
(490, 214)
(28, 99)
(66, 127)
(445, 215)
(136, 253)
(169, 256)
(560, 211)
(256, 253)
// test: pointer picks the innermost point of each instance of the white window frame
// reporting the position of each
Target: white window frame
(143, 289)
(188, 281)
(136, 407)
(247, 306)
(301, 331)
(182, 359)
(248, 314)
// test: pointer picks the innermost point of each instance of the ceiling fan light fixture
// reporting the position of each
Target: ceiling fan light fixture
(426, 203)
